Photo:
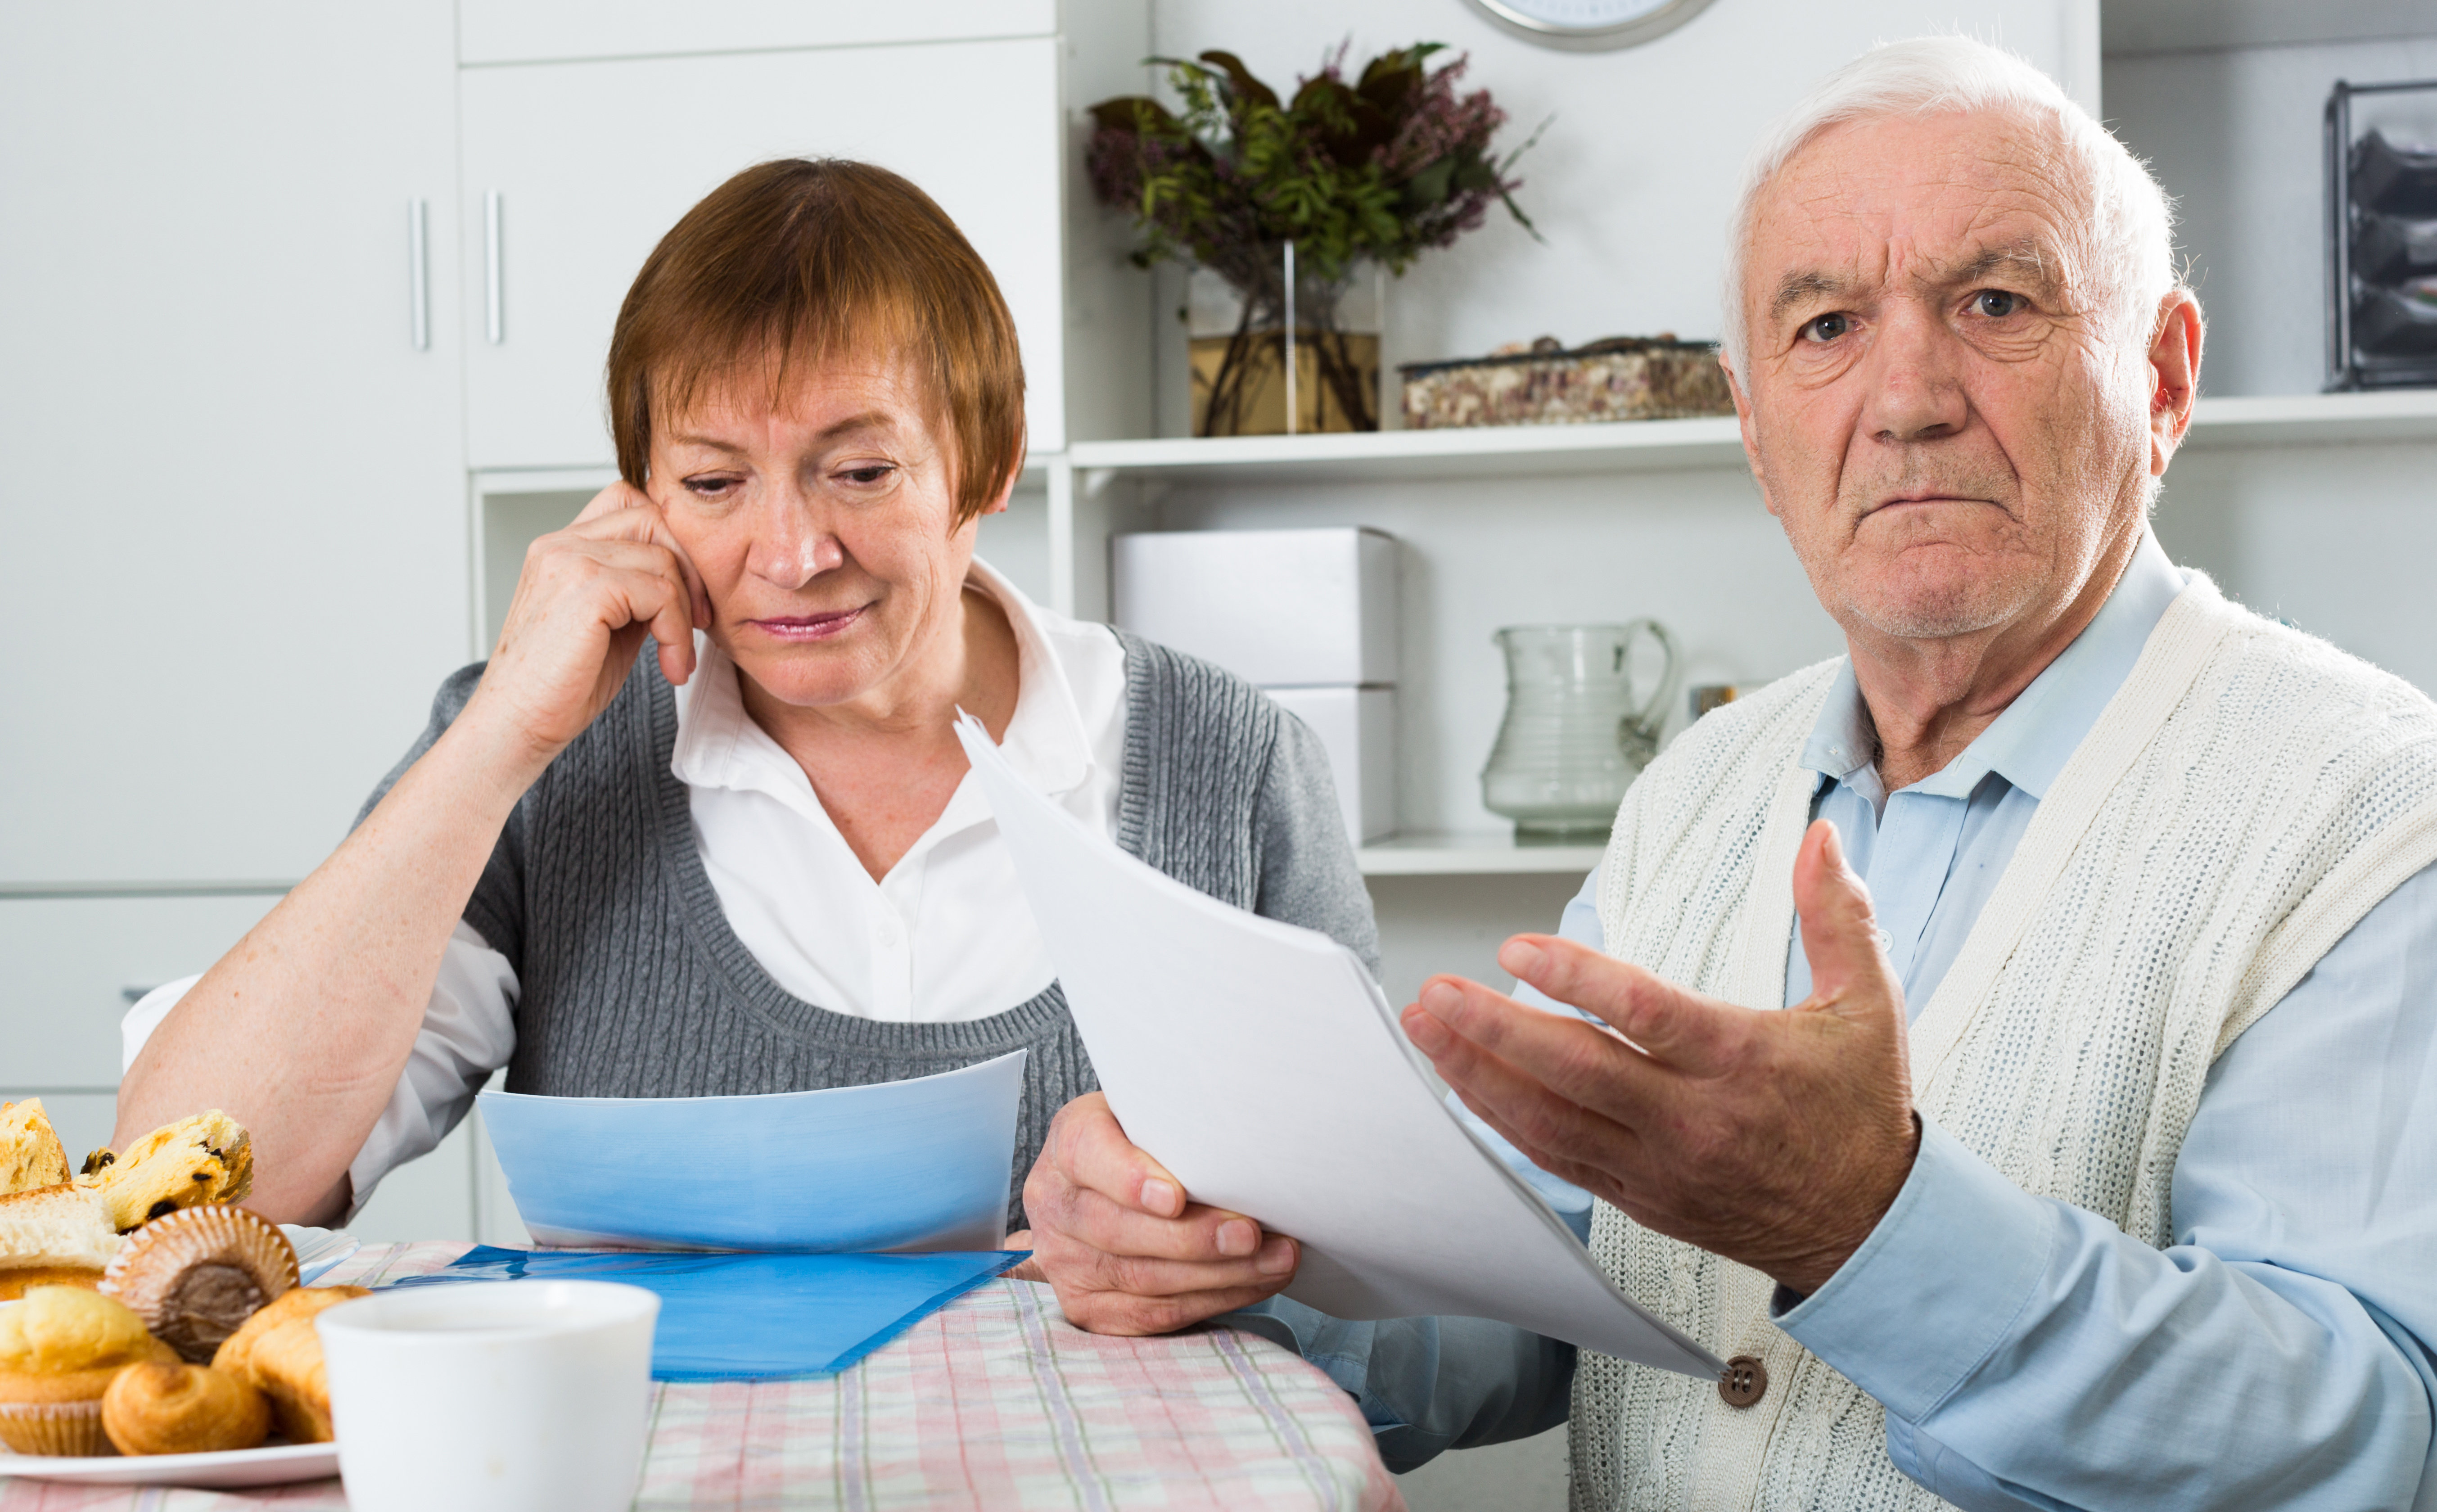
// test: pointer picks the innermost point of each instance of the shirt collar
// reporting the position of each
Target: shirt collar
(719, 746)
(2030, 742)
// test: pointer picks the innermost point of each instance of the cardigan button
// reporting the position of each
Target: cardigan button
(1744, 1383)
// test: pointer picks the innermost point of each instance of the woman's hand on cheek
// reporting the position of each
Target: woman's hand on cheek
(587, 598)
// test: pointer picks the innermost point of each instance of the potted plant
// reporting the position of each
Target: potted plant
(1345, 174)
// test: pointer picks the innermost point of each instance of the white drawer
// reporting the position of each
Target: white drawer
(72, 961)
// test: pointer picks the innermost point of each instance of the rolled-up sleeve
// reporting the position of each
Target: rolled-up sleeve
(2030, 1354)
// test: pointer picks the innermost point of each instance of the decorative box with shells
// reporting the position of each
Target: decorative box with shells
(1622, 378)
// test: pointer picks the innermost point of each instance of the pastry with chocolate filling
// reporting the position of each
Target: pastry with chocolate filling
(197, 1274)
(278, 1353)
(165, 1409)
(207, 1158)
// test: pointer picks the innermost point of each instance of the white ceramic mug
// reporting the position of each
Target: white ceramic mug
(491, 1397)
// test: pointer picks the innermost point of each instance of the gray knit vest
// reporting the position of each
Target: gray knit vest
(631, 983)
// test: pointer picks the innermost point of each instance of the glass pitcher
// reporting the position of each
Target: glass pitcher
(1574, 737)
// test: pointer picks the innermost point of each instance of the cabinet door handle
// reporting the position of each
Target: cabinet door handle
(494, 299)
(418, 273)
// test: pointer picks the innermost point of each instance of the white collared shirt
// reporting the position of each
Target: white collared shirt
(944, 937)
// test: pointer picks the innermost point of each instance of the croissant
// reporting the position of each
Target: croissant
(181, 1409)
(277, 1352)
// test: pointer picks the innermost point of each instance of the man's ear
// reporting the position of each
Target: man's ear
(1743, 421)
(2174, 375)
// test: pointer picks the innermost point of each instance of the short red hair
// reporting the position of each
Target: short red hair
(813, 260)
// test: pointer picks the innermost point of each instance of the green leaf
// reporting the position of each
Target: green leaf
(1240, 80)
(1429, 186)
(1134, 113)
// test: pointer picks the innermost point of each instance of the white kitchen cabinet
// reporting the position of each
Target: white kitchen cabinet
(75, 964)
(581, 168)
(504, 31)
(235, 499)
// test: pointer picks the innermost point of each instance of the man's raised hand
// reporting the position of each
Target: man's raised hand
(1777, 1140)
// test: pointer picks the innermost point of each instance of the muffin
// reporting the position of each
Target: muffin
(177, 1409)
(59, 1349)
(278, 1353)
(196, 1275)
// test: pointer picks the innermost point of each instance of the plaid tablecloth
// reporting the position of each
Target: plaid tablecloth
(994, 1402)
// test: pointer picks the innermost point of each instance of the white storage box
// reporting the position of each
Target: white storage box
(1278, 607)
(1358, 726)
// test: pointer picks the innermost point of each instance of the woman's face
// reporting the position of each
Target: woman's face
(823, 529)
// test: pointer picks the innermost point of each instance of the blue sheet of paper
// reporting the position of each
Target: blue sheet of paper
(895, 1165)
(755, 1317)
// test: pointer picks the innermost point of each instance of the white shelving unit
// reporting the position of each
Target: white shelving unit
(1488, 852)
(1081, 490)
(1396, 456)
(2314, 419)
(1657, 445)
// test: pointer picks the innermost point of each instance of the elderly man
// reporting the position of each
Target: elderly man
(2090, 1157)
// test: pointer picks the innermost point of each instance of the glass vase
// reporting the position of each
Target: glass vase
(1274, 351)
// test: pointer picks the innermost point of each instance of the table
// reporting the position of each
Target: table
(992, 1402)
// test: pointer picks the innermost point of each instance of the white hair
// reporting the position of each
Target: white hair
(2131, 222)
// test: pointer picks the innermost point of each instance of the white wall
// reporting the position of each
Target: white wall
(1632, 183)
(2235, 136)
(2335, 539)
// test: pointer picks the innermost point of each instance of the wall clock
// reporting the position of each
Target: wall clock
(1588, 26)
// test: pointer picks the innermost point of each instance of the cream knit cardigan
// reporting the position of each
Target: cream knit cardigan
(2246, 797)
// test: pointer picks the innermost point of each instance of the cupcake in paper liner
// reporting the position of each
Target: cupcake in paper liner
(195, 1276)
(68, 1429)
(60, 1350)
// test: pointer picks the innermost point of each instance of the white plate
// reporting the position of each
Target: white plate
(277, 1465)
(319, 1250)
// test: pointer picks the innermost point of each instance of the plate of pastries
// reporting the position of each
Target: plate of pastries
(152, 1330)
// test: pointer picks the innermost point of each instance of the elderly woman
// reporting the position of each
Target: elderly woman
(752, 862)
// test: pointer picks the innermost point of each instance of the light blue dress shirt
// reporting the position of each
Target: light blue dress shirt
(2030, 1354)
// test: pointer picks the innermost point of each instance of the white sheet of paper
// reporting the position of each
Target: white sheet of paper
(1262, 1064)
(893, 1166)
